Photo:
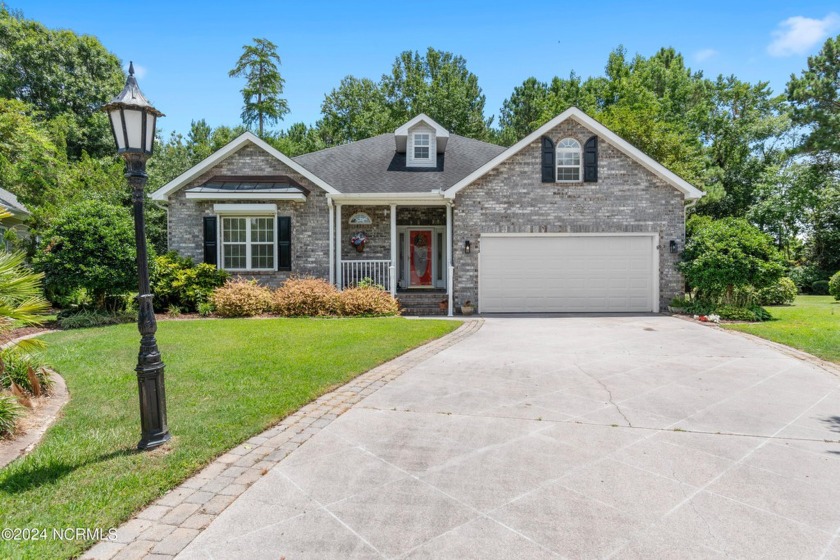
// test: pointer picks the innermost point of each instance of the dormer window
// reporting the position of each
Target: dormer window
(422, 141)
(568, 160)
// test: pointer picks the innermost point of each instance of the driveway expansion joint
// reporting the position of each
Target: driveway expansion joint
(171, 519)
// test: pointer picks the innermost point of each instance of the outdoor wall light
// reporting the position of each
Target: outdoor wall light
(467, 246)
(673, 246)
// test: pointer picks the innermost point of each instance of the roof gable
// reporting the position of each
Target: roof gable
(441, 134)
(233, 147)
(690, 192)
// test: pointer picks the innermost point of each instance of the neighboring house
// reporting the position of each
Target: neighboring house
(19, 214)
(570, 219)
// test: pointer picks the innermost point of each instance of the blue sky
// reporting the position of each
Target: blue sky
(184, 49)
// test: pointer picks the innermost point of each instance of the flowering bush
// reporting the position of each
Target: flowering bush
(241, 298)
(367, 301)
(300, 297)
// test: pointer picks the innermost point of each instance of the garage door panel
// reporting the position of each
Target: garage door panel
(566, 274)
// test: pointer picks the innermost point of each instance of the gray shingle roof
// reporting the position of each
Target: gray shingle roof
(373, 165)
(11, 203)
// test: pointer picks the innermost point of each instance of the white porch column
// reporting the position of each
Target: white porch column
(449, 264)
(331, 240)
(339, 272)
(393, 268)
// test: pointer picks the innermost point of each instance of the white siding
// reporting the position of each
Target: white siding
(410, 161)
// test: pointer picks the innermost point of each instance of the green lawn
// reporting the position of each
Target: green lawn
(811, 324)
(226, 380)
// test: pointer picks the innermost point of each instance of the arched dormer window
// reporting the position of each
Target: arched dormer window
(568, 160)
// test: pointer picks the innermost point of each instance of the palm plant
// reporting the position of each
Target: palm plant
(21, 304)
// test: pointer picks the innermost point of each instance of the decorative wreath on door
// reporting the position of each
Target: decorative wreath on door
(358, 241)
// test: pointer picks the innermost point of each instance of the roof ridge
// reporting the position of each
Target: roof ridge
(341, 145)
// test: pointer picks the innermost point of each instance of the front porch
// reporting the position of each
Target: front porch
(404, 247)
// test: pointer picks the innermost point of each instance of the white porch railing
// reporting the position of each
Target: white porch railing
(378, 271)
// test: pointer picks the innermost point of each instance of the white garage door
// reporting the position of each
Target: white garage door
(549, 273)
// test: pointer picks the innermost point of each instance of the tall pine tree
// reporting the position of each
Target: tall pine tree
(263, 84)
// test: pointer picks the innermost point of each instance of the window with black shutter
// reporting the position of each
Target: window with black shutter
(210, 240)
(590, 160)
(284, 243)
(548, 169)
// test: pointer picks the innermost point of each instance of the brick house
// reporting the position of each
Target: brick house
(569, 219)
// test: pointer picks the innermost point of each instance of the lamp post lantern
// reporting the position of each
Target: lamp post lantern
(133, 121)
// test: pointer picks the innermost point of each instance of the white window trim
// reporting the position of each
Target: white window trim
(245, 209)
(557, 165)
(428, 145)
(431, 160)
(248, 242)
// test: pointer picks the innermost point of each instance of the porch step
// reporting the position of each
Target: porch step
(421, 303)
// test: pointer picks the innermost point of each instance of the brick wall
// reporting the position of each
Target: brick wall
(512, 199)
(310, 219)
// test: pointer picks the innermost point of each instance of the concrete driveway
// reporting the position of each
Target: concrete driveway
(576, 437)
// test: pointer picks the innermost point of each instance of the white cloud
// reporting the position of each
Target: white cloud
(139, 71)
(705, 54)
(798, 34)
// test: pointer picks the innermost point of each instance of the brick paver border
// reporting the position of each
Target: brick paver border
(168, 525)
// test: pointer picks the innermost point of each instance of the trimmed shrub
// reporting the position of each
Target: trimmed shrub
(88, 245)
(834, 285)
(734, 313)
(87, 318)
(27, 371)
(783, 292)
(10, 411)
(729, 254)
(178, 281)
(241, 298)
(367, 302)
(820, 288)
(306, 297)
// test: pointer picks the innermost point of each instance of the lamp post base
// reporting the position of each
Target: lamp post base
(155, 441)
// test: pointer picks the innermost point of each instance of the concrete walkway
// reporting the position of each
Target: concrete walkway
(583, 437)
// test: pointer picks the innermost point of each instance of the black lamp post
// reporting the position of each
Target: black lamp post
(133, 124)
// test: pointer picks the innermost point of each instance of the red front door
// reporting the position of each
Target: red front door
(420, 251)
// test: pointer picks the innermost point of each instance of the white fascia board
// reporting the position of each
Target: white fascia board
(247, 196)
(233, 147)
(245, 209)
(422, 117)
(690, 192)
(427, 198)
(441, 134)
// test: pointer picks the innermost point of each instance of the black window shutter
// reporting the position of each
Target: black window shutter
(210, 238)
(284, 243)
(548, 155)
(590, 160)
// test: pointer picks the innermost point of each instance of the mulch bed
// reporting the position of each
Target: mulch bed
(14, 334)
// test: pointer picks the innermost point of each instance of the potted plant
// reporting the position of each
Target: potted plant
(467, 308)
(444, 304)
